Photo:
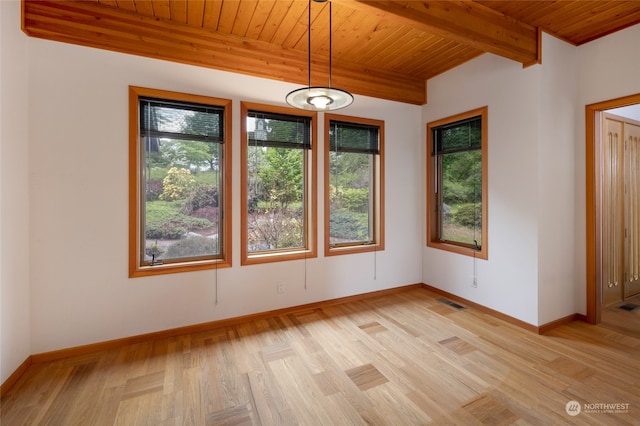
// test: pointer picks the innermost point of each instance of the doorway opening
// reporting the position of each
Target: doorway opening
(612, 204)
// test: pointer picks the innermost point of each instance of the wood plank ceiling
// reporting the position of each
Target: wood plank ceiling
(384, 49)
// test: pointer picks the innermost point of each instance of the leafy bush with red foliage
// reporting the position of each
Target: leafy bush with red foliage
(202, 196)
(209, 213)
(153, 189)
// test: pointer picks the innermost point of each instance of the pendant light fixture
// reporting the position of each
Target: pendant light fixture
(319, 98)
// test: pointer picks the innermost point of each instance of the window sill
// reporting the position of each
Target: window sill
(255, 259)
(174, 268)
(364, 248)
(465, 251)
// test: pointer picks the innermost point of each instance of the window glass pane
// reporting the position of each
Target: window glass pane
(461, 197)
(456, 180)
(179, 172)
(181, 183)
(276, 198)
(278, 184)
(352, 150)
(350, 197)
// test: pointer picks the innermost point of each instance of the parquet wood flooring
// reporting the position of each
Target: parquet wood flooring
(623, 321)
(399, 359)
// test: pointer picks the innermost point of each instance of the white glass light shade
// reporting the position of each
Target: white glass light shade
(318, 98)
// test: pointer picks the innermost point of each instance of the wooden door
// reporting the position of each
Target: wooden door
(620, 209)
(613, 216)
(632, 209)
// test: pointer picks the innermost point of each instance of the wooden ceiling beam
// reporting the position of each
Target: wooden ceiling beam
(110, 28)
(466, 22)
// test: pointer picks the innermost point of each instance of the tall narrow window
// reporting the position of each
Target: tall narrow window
(278, 184)
(354, 184)
(179, 177)
(457, 182)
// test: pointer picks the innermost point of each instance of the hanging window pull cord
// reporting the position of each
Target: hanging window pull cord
(220, 217)
(216, 296)
(305, 269)
(215, 301)
(375, 261)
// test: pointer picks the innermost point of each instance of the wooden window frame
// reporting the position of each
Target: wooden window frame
(378, 195)
(431, 205)
(136, 269)
(311, 179)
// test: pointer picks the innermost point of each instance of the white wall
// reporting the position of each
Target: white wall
(15, 344)
(536, 266)
(79, 182)
(557, 283)
(508, 280)
(608, 69)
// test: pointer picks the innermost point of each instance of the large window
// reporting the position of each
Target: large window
(179, 177)
(354, 184)
(457, 183)
(278, 184)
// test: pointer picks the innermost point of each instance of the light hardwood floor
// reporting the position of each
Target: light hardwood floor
(400, 359)
(623, 321)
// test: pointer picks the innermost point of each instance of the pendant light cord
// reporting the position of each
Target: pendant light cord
(330, 44)
(309, 46)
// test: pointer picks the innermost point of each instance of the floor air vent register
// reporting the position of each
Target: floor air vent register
(629, 306)
(452, 304)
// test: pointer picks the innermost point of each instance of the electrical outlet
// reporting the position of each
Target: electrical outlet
(280, 287)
